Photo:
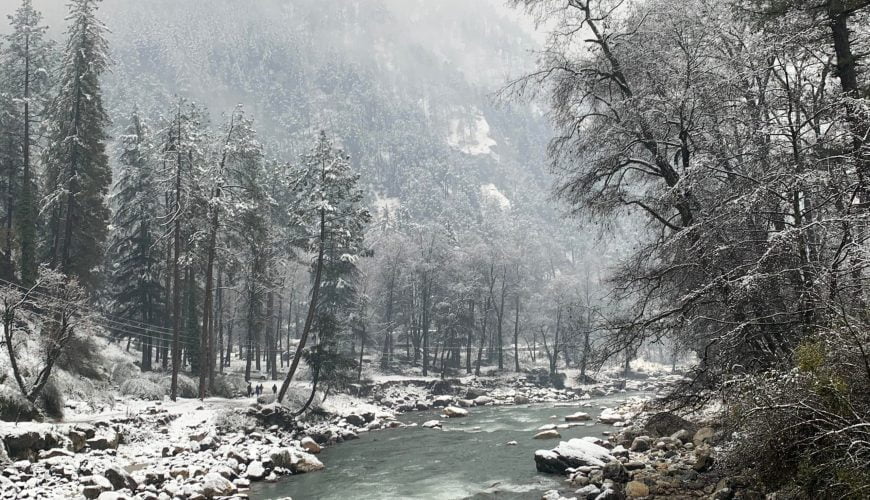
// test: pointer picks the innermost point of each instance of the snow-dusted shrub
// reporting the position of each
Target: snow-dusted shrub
(142, 388)
(15, 407)
(233, 421)
(807, 429)
(83, 357)
(123, 371)
(229, 386)
(187, 387)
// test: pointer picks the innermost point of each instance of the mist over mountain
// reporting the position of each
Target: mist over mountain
(406, 86)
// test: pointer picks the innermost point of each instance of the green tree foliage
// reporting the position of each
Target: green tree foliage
(77, 174)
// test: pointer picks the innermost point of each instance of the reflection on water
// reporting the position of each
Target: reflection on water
(469, 458)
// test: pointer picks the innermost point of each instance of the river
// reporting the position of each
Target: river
(469, 458)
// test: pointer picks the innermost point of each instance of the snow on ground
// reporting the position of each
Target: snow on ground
(471, 136)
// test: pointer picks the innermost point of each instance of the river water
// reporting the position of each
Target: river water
(469, 458)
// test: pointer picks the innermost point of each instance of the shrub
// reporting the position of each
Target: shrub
(187, 388)
(142, 388)
(808, 428)
(82, 357)
(229, 386)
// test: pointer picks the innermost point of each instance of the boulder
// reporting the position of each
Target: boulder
(120, 479)
(578, 417)
(635, 489)
(683, 435)
(305, 462)
(355, 420)
(588, 492)
(215, 485)
(482, 400)
(548, 434)
(310, 445)
(572, 453)
(77, 440)
(454, 412)
(442, 401)
(703, 435)
(87, 429)
(703, 459)
(95, 485)
(474, 392)
(55, 452)
(255, 471)
(640, 444)
(465, 403)
(431, 424)
(520, 399)
(611, 416)
(610, 494)
(616, 472)
(105, 441)
(21, 443)
(666, 424)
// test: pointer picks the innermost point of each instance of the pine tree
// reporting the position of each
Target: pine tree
(133, 254)
(25, 83)
(77, 168)
(184, 156)
(330, 205)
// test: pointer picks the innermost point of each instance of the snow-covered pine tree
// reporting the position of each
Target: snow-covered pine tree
(25, 83)
(184, 154)
(330, 204)
(134, 258)
(77, 170)
(249, 207)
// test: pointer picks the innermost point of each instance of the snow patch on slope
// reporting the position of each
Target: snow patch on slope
(490, 194)
(472, 136)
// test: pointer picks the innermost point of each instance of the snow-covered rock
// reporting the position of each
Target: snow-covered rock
(453, 412)
(310, 445)
(548, 434)
(571, 453)
(215, 485)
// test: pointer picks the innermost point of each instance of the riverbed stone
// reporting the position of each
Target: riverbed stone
(255, 471)
(578, 417)
(547, 434)
(310, 445)
(635, 489)
(215, 485)
(355, 420)
(482, 400)
(431, 424)
(120, 479)
(303, 462)
(588, 492)
(640, 444)
(616, 472)
(454, 412)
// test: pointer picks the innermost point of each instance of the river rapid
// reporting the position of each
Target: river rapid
(469, 458)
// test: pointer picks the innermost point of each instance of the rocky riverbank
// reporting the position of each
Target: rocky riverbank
(657, 455)
(217, 448)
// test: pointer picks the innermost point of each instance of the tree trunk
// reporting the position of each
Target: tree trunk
(176, 272)
(312, 307)
(517, 333)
